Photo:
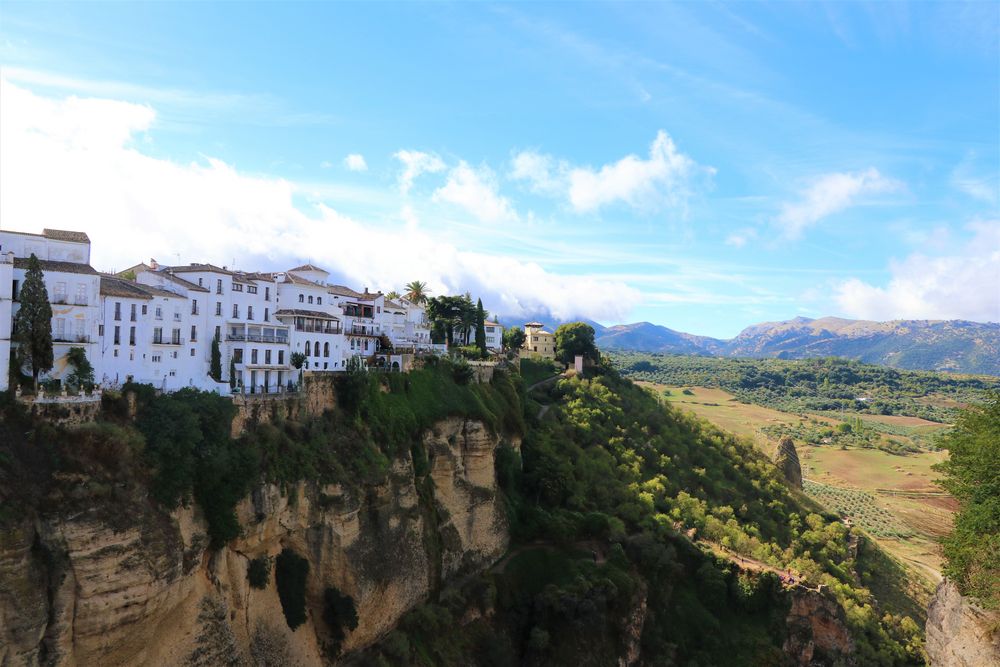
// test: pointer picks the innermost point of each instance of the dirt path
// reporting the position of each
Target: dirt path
(752, 564)
(548, 379)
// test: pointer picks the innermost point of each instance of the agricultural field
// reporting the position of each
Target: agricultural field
(891, 496)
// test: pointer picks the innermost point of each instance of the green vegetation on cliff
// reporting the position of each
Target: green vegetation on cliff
(972, 475)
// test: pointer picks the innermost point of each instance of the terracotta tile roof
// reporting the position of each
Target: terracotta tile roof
(111, 286)
(196, 267)
(187, 284)
(347, 291)
(66, 235)
(260, 277)
(137, 269)
(310, 267)
(299, 312)
(52, 265)
(299, 280)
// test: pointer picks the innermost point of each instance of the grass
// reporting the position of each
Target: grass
(536, 370)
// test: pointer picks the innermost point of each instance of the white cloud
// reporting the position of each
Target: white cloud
(356, 162)
(984, 187)
(325, 164)
(740, 237)
(71, 163)
(477, 191)
(829, 194)
(414, 164)
(964, 285)
(667, 179)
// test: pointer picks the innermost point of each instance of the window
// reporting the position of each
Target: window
(131, 335)
(266, 318)
(218, 333)
(378, 309)
(253, 356)
(173, 373)
(132, 314)
(118, 311)
(59, 330)
(251, 289)
(100, 330)
(267, 356)
(174, 354)
(59, 294)
(159, 312)
(144, 309)
(237, 287)
(238, 355)
(175, 336)
(177, 314)
(199, 283)
(131, 355)
(319, 300)
(194, 306)
(326, 349)
(218, 286)
(310, 299)
(118, 335)
(267, 294)
(308, 348)
(157, 358)
(218, 309)
(281, 357)
(236, 310)
(249, 312)
(194, 333)
(13, 289)
(158, 335)
(192, 351)
(302, 298)
(116, 351)
(316, 349)
(81, 294)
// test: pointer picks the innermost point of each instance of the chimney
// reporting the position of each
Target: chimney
(153, 264)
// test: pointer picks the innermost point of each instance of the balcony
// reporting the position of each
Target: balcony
(364, 330)
(69, 338)
(81, 301)
(167, 341)
(260, 338)
(319, 328)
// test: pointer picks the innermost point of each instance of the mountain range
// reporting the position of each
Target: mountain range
(941, 345)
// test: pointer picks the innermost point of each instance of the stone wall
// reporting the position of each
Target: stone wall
(316, 395)
(64, 410)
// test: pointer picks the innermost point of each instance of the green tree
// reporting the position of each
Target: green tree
(392, 295)
(82, 376)
(215, 367)
(416, 291)
(576, 338)
(33, 322)
(232, 373)
(446, 314)
(971, 475)
(480, 327)
(513, 339)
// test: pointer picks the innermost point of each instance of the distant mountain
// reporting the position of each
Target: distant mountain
(947, 345)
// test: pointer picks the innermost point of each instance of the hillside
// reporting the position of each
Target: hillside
(426, 519)
(945, 345)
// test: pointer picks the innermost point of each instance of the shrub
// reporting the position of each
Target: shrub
(259, 571)
(339, 613)
(290, 572)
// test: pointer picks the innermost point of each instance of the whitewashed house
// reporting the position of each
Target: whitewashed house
(73, 287)
(313, 316)
(362, 319)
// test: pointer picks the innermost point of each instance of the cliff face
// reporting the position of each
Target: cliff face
(787, 460)
(817, 631)
(960, 634)
(124, 583)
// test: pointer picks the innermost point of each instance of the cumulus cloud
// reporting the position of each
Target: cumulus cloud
(74, 163)
(963, 285)
(476, 191)
(414, 164)
(667, 179)
(830, 194)
(356, 162)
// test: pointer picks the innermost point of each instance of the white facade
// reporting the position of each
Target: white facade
(6, 312)
(73, 288)
(314, 318)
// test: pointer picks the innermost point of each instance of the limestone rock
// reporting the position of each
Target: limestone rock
(959, 633)
(817, 631)
(787, 460)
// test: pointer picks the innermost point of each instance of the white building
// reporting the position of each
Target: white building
(6, 312)
(362, 318)
(72, 284)
(314, 317)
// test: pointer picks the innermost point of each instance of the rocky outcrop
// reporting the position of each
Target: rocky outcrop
(959, 633)
(787, 460)
(128, 584)
(817, 631)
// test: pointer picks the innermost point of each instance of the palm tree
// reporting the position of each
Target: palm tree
(392, 296)
(416, 291)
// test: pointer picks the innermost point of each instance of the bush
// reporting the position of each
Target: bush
(339, 613)
(259, 571)
(290, 572)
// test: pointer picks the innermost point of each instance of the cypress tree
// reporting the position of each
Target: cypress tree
(232, 373)
(33, 322)
(480, 328)
(215, 368)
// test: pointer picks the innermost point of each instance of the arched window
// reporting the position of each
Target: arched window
(326, 349)
(316, 349)
(302, 298)
(319, 300)
(310, 299)
(307, 348)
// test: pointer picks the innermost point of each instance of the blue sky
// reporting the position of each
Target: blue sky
(702, 165)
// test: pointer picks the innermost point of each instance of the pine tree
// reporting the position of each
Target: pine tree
(215, 368)
(33, 322)
(480, 328)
